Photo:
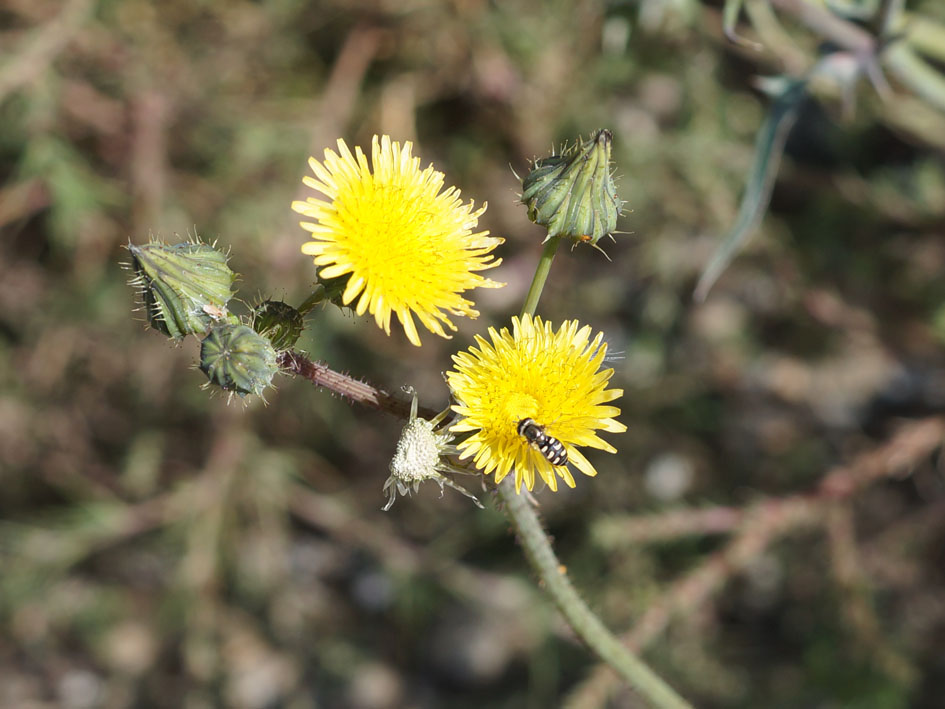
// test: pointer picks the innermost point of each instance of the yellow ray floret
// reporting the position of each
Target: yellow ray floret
(406, 245)
(533, 372)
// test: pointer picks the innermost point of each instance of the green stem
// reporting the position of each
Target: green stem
(542, 558)
(587, 625)
(541, 275)
(318, 295)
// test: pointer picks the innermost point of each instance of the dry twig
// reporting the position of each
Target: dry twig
(764, 523)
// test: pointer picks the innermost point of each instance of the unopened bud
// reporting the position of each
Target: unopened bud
(573, 194)
(237, 359)
(185, 287)
(279, 322)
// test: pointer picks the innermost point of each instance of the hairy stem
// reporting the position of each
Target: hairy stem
(321, 375)
(319, 295)
(588, 626)
(542, 558)
(532, 537)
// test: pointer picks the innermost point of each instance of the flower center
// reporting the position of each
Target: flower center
(518, 406)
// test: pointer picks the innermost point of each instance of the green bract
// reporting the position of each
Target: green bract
(238, 359)
(279, 322)
(185, 286)
(573, 194)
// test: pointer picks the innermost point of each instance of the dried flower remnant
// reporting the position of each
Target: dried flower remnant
(420, 456)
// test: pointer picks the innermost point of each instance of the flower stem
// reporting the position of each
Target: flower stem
(538, 549)
(541, 275)
(542, 558)
(318, 295)
(321, 375)
(587, 625)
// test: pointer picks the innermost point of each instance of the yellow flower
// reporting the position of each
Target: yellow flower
(404, 243)
(553, 378)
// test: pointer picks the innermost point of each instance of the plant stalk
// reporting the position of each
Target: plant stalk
(650, 686)
(541, 275)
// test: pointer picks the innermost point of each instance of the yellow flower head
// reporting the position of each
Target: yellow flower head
(553, 378)
(406, 245)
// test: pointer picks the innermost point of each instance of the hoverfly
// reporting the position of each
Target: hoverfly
(547, 445)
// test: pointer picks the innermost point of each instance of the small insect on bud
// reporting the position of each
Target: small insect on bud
(279, 322)
(185, 287)
(573, 194)
(237, 359)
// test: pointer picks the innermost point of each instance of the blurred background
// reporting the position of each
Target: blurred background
(159, 548)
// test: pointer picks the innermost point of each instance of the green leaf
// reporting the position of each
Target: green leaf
(769, 146)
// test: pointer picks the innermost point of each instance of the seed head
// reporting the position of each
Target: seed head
(421, 455)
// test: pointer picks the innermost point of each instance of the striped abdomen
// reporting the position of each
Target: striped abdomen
(548, 446)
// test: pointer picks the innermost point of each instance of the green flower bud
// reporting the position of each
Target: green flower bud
(279, 322)
(573, 194)
(185, 287)
(237, 359)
